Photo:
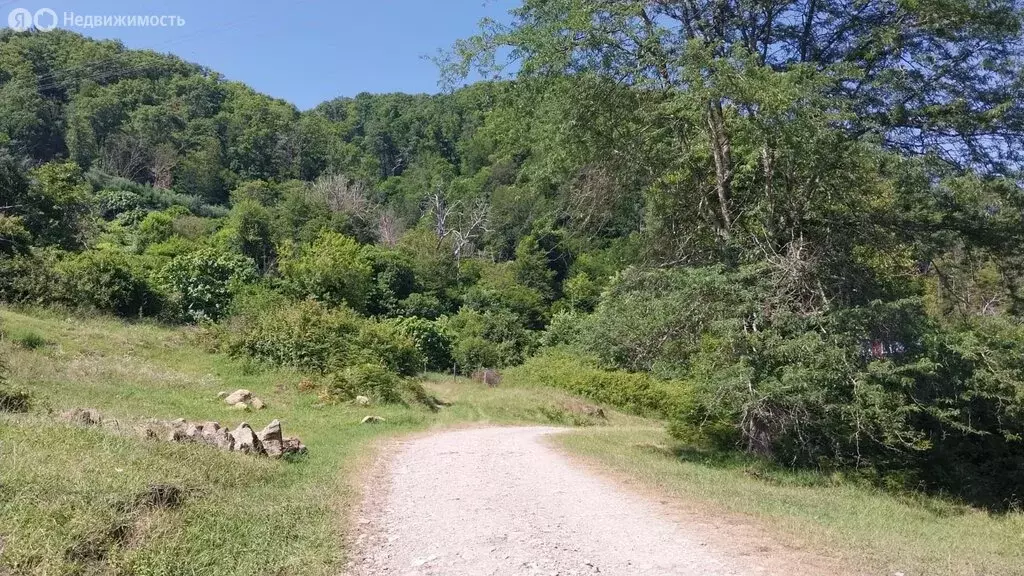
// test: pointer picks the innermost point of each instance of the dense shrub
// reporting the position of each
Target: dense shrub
(113, 203)
(492, 339)
(305, 335)
(331, 270)
(393, 280)
(202, 283)
(368, 379)
(388, 345)
(578, 373)
(430, 339)
(155, 228)
(30, 278)
(109, 281)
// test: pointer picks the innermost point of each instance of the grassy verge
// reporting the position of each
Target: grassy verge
(866, 527)
(72, 499)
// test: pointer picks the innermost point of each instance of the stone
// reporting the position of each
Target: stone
(272, 440)
(240, 406)
(220, 438)
(293, 446)
(257, 404)
(362, 401)
(246, 440)
(238, 396)
(373, 420)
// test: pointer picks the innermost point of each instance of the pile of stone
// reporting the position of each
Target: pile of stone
(242, 400)
(268, 442)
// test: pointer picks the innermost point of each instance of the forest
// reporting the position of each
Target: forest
(789, 228)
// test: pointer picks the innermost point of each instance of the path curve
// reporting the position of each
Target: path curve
(501, 502)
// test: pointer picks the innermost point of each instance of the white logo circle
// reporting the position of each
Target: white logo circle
(20, 19)
(41, 24)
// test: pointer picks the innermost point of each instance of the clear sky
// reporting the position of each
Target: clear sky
(304, 51)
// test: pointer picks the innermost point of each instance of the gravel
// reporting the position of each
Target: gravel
(500, 501)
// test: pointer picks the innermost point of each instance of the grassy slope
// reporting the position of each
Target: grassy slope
(65, 491)
(875, 532)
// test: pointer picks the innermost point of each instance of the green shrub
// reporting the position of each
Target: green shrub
(393, 280)
(305, 335)
(492, 339)
(155, 228)
(430, 339)
(202, 283)
(109, 281)
(113, 203)
(580, 374)
(331, 270)
(370, 380)
(391, 347)
(31, 278)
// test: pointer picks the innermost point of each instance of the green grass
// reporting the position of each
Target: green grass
(71, 497)
(874, 532)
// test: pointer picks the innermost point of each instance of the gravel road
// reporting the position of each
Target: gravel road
(500, 501)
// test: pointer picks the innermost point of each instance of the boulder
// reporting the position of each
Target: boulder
(240, 406)
(362, 401)
(246, 440)
(373, 420)
(257, 404)
(272, 440)
(238, 396)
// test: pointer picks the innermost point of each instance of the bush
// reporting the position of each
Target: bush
(113, 203)
(109, 281)
(331, 270)
(576, 372)
(30, 278)
(429, 337)
(305, 335)
(371, 380)
(202, 283)
(155, 228)
(389, 346)
(492, 339)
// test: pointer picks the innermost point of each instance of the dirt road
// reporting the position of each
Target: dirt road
(499, 501)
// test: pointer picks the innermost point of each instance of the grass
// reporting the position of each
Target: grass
(73, 500)
(870, 530)
(69, 496)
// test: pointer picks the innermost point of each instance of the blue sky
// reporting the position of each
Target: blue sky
(304, 51)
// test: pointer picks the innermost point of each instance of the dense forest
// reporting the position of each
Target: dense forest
(789, 228)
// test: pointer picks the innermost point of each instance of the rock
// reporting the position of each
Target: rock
(293, 446)
(362, 401)
(373, 420)
(194, 432)
(84, 417)
(257, 404)
(272, 440)
(246, 440)
(487, 376)
(214, 435)
(240, 406)
(238, 396)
